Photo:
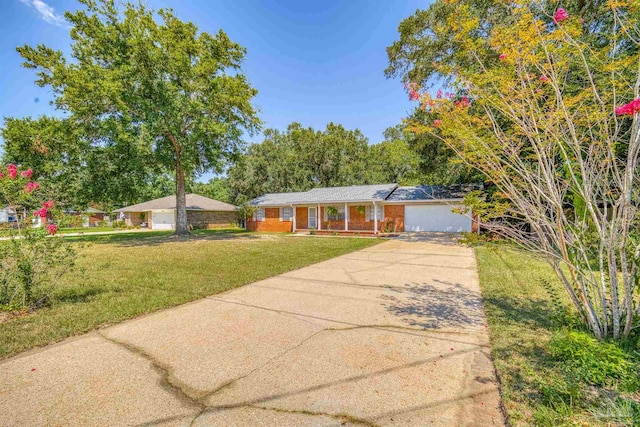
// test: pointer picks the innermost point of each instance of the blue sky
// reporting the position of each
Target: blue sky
(312, 61)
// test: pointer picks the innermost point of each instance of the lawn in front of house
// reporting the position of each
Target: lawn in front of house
(125, 275)
(552, 372)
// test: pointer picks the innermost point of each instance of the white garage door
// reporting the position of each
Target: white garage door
(434, 218)
(162, 220)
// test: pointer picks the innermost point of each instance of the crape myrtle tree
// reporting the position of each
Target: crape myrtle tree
(32, 262)
(547, 107)
(149, 75)
(53, 150)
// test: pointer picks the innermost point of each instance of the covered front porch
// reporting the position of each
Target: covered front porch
(362, 217)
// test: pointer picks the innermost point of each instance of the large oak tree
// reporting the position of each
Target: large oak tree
(153, 77)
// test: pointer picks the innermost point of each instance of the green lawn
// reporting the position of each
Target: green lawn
(129, 274)
(552, 372)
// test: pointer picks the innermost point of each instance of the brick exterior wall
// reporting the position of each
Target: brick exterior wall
(271, 222)
(358, 220)
(210, 219)
(393, 218)
(196, 219)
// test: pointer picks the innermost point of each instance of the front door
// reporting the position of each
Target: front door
(312, 218)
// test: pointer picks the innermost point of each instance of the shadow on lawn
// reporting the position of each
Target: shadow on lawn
(153, 238)
(78, 295)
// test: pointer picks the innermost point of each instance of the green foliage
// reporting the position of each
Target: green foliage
(302, 158)
(594, 362)
(32, 262)
(54, 149)
(547, 363)
(393, 160)
(152, 82)
(217, 188)
(530, 97)
(32, 266)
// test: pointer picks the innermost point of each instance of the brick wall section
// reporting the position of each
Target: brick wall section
(271, 222)
(333, 225)
(358, 220)
(210, 219)
(393, 218)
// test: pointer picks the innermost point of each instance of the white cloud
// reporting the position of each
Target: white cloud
(46, 12)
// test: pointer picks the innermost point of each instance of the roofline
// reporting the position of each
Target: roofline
(328, 202)
(385, 202)
(395, 202)
(173, 209)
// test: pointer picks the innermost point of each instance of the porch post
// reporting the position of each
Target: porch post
(346, 217)
(375, 219)
(293, 226)
(319, 218)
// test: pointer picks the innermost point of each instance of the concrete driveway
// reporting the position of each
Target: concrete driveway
(392, 335)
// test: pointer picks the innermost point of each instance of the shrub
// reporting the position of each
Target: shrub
(594, 362)
(32, 266)
(32, 260)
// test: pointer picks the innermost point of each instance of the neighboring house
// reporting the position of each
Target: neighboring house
(7, 215)
(365, 208)
(91, 217)
(160, 214)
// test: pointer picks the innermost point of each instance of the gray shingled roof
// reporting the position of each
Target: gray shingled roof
(354, 193)
(276, 199)
(432, 192)
(195, 202)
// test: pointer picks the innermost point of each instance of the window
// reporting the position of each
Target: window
(334, 213)
(286, 214)
(258, 214)
(369, 215)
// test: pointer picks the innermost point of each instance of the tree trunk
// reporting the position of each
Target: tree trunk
(181, 201)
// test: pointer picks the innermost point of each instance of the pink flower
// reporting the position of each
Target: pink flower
(629, 109)
(12, 171)
(31, 186)
(437, 123)
(439, 94)
(27, 174)
(413, 95)
(560, 15)
(544, 78)
(48, 204)
(52, 229)
(1, 175)
(42, 213)
(464, 102)
(503, 56)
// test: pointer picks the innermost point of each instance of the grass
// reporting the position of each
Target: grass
(4, 232)
(102, 229)
(552, 371)
(125, 275)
